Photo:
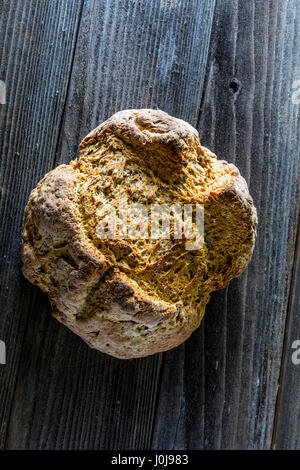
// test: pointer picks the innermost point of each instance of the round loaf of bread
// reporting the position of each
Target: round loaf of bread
(125, 292)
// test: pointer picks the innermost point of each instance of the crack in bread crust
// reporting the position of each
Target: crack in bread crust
(131, 298)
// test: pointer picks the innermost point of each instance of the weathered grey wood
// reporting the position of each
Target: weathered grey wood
(287, 425)
(128, 54)
(37, 42)
(222, 384)
(68, 65)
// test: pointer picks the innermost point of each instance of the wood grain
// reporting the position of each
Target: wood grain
(37, 42)
(223, 383)
(128, 54)
(68, 65)
(287, 424)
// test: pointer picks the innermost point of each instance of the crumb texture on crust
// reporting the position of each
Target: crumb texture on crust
(135, 297)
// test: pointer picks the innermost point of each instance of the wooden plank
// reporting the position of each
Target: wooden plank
(287, 425)
(128, 54)
(37, 43)
(219, 389)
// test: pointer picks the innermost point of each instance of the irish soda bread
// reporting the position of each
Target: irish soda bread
(131, 297)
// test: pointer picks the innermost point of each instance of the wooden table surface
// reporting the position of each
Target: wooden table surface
(231, 68)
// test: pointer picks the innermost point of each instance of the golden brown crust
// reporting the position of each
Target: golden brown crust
(131, 298)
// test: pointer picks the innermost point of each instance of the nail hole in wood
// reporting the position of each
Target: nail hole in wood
(234, 85)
